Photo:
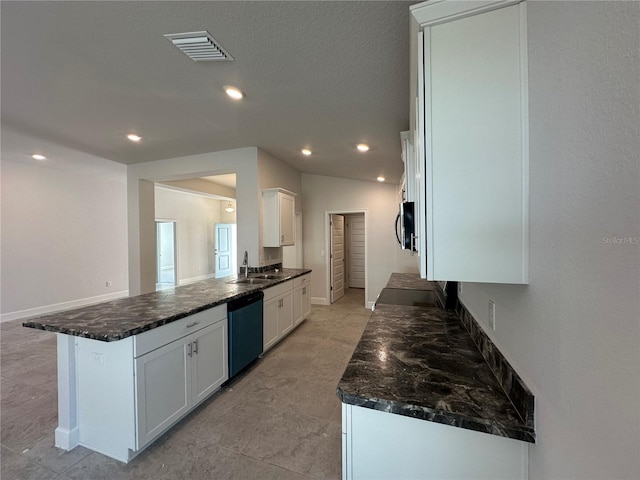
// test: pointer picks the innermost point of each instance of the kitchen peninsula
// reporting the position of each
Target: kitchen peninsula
(420, 400)
(112, 397)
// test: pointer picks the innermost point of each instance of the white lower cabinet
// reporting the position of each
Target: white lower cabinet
(173, 379)
(285, 306)
(301, 298)
(381, 445)
(131, 391)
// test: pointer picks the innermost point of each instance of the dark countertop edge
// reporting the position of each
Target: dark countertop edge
(439, 416)
(114, 337)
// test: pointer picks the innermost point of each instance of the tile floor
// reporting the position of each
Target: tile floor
(279, 420)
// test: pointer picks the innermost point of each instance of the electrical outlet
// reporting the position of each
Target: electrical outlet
(492, 314)
(108, 283)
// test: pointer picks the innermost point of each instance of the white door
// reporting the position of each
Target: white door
(356, 240)
(337, 257)
(224, 249)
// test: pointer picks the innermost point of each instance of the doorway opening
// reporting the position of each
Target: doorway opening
(346, 242)
(225, 249)
(166, 275)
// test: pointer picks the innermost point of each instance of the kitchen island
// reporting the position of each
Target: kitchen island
(421, 401)
(129, 369)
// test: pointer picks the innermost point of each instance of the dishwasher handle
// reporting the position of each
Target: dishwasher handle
(245, 300)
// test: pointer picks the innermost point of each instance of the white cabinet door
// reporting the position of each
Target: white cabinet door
(476, 147)
(163, 381)
(287, 219)
(209, 360)
(270, 323)
(285, 314)
(297, 305)
(429, 450)
(306, 302)
(278, 217)
(301, 299)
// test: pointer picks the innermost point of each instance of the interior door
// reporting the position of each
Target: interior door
(224, 249)
(337, 257)
(356, 242)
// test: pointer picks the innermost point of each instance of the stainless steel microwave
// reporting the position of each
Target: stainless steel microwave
(406, 235)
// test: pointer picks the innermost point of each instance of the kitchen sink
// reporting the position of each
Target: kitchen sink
(251, 281)
(267, 276)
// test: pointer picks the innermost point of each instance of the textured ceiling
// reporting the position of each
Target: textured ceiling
(319, 74)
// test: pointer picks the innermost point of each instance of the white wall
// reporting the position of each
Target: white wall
(274, 173)
(242, 161)
(195, 216)
(64, 228)
(322, 194)
(574, 333)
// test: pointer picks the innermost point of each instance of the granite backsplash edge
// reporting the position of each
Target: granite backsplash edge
(514, 387)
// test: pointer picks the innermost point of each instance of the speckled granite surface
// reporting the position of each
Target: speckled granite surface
(118, 319)
(421, 362)
(410, 281)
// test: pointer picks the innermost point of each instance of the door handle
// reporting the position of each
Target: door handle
(189, 353)
(195, 347)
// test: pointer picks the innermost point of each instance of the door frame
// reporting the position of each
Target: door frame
(327, 249)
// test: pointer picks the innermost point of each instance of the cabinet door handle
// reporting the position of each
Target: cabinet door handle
(304, 290)
(282, 238)
(193, 324)
(190, 349)
(195, 347)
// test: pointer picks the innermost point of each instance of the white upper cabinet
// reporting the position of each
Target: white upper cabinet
(279, 217)
(472, 137)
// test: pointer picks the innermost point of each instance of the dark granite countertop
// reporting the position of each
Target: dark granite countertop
(410, 281)
(118, 319)
(421, 362)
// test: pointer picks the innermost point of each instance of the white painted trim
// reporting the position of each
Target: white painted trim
(58, 307)
(436, 12)
(320, 301)
(524, 98)
(327, 248)
(67, 434)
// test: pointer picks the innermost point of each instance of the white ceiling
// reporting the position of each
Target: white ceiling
(319, 74)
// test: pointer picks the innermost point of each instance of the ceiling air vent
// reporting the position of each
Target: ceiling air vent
(199, 46)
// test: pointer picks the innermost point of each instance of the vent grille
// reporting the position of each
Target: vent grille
(199, 46)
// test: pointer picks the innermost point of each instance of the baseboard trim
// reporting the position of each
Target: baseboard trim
(320, 301)
(67, 439)
(58, 307)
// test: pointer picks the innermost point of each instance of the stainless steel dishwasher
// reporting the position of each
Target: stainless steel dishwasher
(245, 330)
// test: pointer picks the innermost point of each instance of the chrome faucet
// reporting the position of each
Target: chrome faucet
(245, 264)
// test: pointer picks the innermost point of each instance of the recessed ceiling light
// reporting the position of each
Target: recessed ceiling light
(134, 138)
(381, 178)
(234, 92)
(37, 156)
(363, 147)
(306, 151)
